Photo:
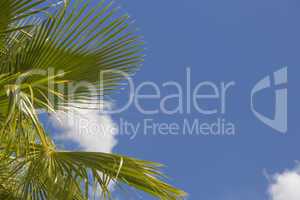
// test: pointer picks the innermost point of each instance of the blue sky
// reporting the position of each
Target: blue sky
(219, 41)
(233, 40)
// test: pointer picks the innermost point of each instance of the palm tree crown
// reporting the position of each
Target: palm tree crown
(75, 42)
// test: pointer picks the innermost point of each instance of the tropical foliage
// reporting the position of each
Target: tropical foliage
(45, 46)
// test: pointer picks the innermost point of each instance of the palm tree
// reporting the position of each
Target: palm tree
(77, 41)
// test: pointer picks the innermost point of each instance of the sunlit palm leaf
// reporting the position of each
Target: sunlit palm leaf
(15, 11)
(78, 43)
(87, 44)
(44, 166)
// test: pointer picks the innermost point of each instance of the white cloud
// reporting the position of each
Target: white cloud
(285, 185)
(90, 129)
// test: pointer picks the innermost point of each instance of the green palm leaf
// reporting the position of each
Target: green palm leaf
(77, 43)
(14, 16)
(85, 43)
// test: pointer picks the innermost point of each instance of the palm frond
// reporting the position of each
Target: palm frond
(87, 44)
(79, 43)
(47, 170)
(13, 15)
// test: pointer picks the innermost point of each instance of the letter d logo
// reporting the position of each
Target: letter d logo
(280, 121)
